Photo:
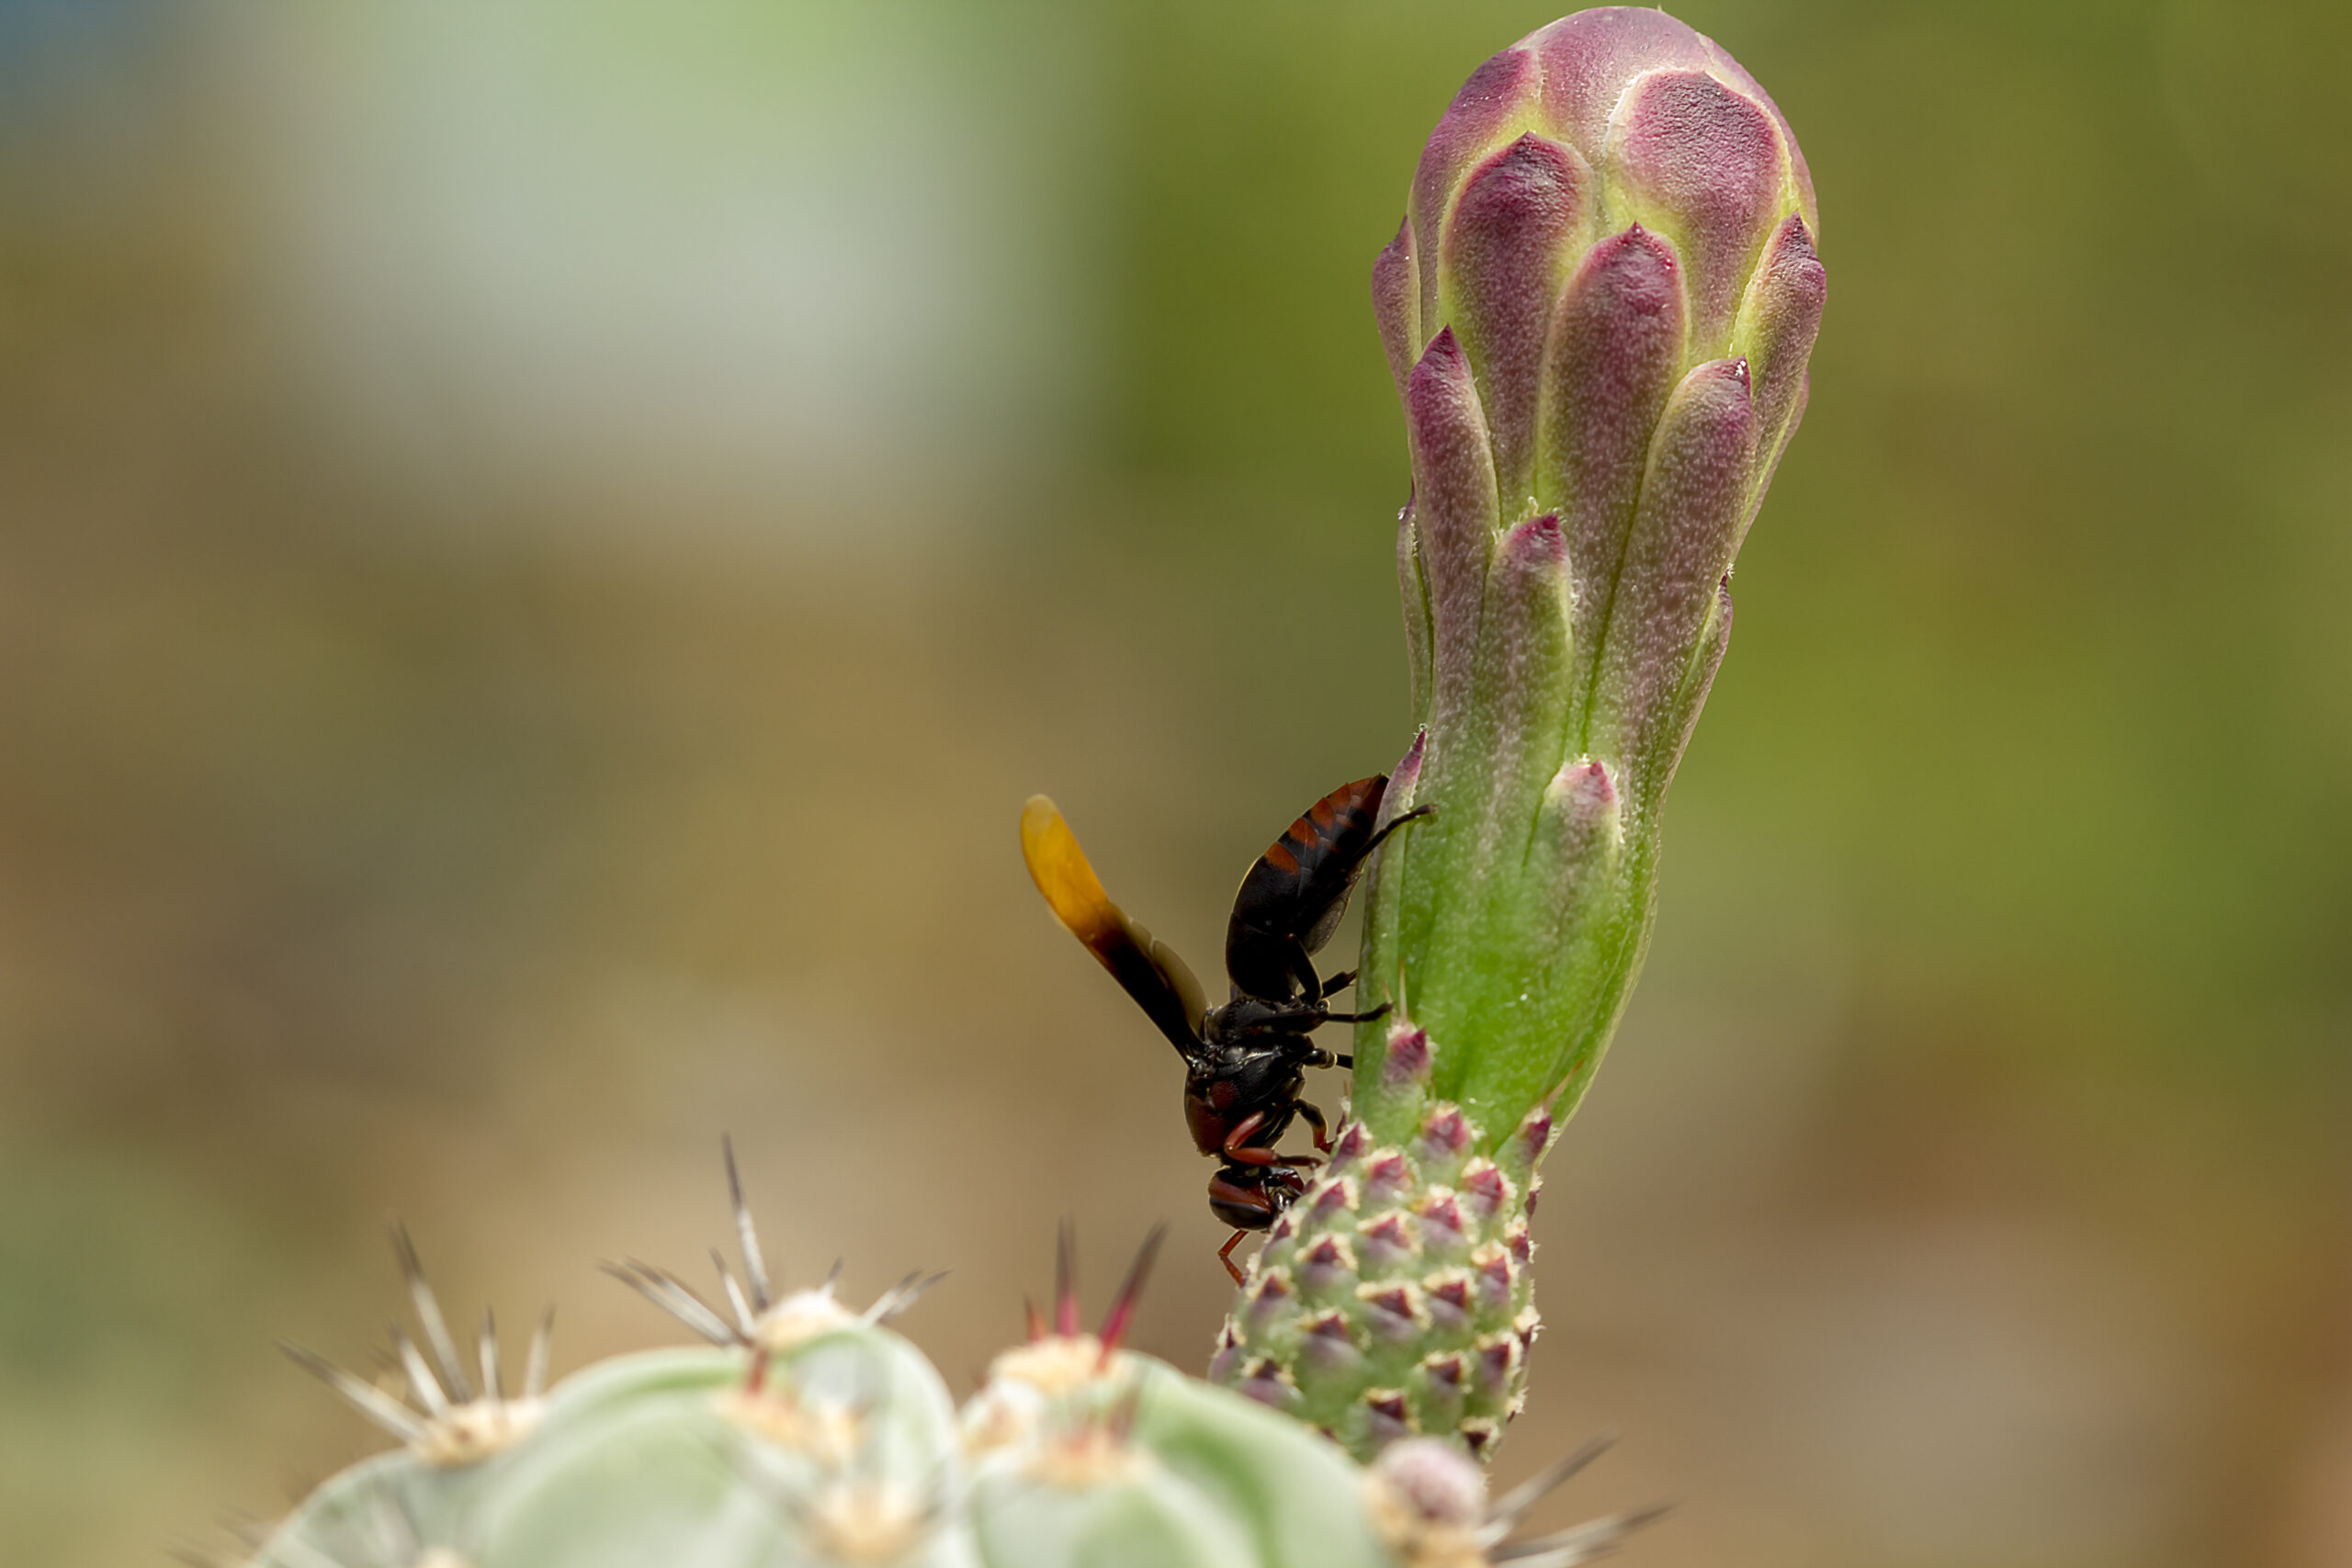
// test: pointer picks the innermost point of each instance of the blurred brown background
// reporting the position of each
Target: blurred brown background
(542, 546)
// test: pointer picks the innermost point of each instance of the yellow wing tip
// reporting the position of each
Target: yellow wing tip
(1042, 835)
(1062, 872)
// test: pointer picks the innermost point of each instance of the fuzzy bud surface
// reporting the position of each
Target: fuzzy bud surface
(1598, 314)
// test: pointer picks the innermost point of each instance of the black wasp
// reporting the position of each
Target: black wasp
(1245, 1062)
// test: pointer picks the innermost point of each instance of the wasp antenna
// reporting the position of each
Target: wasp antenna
(364, 1397)
(1122, 1305)
(428, 1315)
(672, 1296)
(421, 1382)
(534, 1365)
(1065, 1280)
(755, 1268)
(494, 1385)
(1507, 1509)
(1583, 1543)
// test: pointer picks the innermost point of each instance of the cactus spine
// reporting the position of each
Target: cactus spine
(1598, 313)
(806, 1433)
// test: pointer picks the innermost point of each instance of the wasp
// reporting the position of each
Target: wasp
(1245, 1060)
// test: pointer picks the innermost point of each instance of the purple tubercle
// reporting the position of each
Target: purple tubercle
(1533, 1135)
(1588, 59)
(1483, 1188)
(1397, 303)
(1784, 302)
(1262, 1382)
(1454, 508)
(1444, 1134)
(1448, 1299)
(1327, 1351)
(1580, 814)
(1530, 592)
(1393, 1313)
(1388, 1240)
(1615, 349)
(1498, 91)
(1327, 1262)
(1499, 1358)
(1515, 228)
(1441, 1217)
(1406, 1062)
(1354, 1141)
(1526, 670)
(1273, 1292)
(1685, 532)
(1388, 1177)
(1495, 1276)
(1331, 1325)
(1404, 778)
(1585, 786)
(1705, 163)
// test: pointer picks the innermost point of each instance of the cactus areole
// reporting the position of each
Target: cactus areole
(1598, 312)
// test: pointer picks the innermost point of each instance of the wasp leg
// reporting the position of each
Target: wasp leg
(1347, 1062)
(1239, 1151)
(1379, 1012)
(1302, 973)
(1236, 1151)
(1225, 1256)
(1314, 1115)
(1264, 1156)
(1338, 983)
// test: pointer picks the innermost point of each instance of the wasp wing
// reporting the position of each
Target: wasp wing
(1145, 967)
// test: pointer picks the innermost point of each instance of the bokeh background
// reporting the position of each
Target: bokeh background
(542, 545)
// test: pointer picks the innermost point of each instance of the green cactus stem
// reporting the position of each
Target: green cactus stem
(1598, 313)
(804, 1432)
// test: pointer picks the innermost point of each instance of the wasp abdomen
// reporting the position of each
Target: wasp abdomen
(1293, 898)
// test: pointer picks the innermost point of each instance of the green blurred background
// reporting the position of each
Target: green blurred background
(542, 545)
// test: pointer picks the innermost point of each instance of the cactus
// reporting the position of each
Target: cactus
(1598, 312)
(804, 1432)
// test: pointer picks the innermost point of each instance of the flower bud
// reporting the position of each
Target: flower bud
(1598, 312)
